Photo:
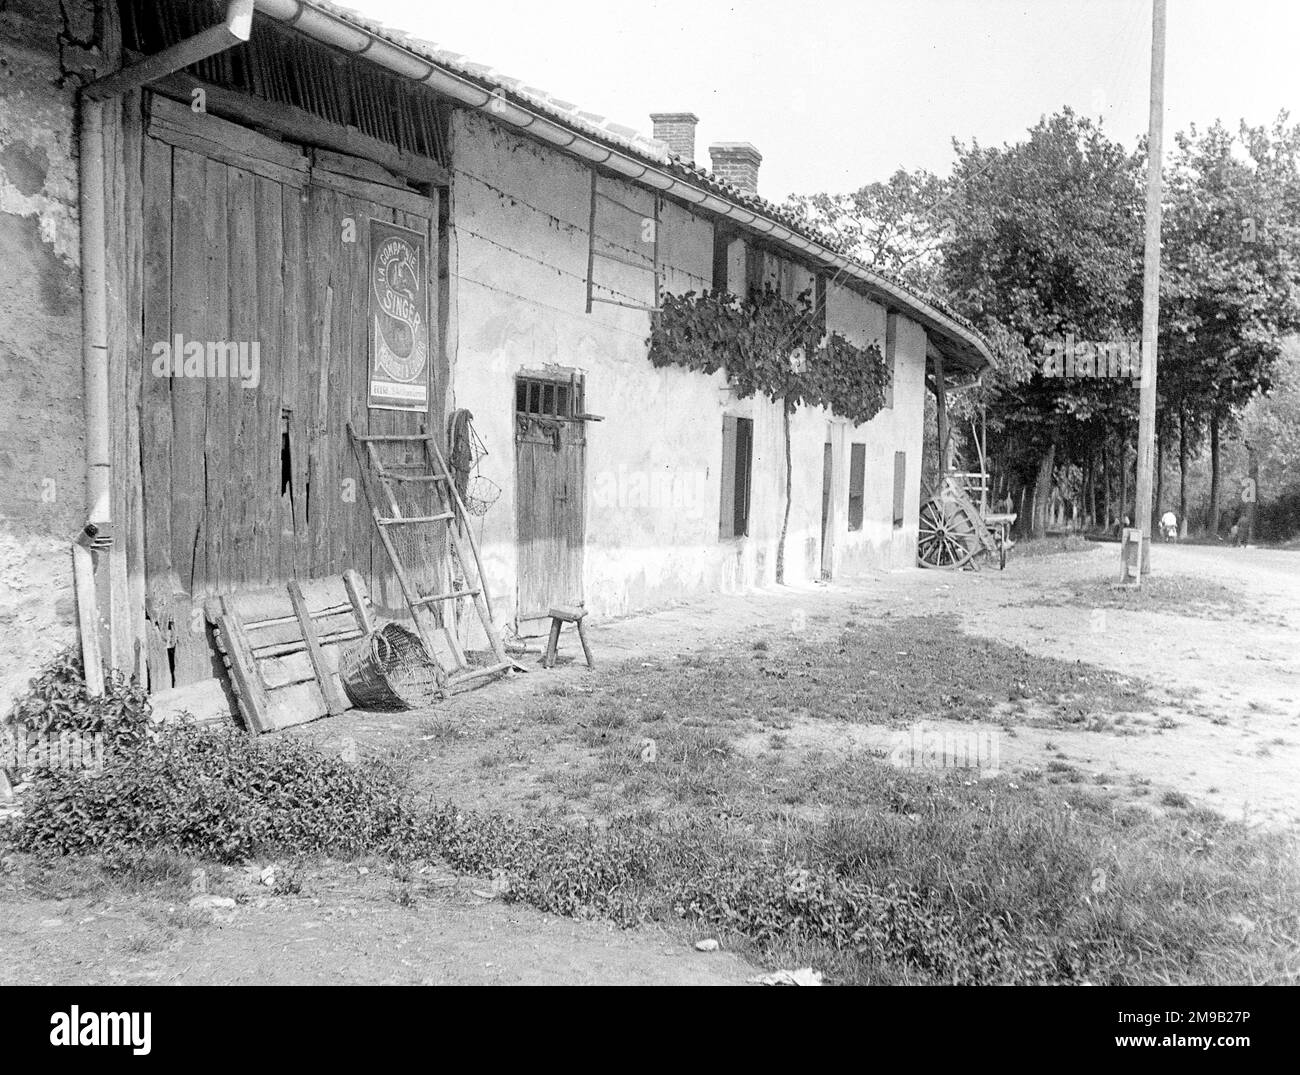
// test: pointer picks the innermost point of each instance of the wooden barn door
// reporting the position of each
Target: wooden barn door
(222, 249)
(550, 508)
(251, 481)
(342, 531)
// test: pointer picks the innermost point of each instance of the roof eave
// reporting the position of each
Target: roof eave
(619, 153)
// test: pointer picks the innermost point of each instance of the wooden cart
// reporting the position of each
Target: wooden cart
(955, 528)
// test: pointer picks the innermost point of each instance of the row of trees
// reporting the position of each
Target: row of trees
(1042, 239)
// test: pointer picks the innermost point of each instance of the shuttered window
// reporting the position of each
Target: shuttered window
(737, 458)
(857, 480)
(721, 250)
(891, 351)
(900, 486)
(549, 398)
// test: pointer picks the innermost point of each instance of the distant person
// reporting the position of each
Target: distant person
(1169, 524)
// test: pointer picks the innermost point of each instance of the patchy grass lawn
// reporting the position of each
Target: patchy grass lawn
(671, 791)
(1098, 887)
(1050, 546)
(1185, 595)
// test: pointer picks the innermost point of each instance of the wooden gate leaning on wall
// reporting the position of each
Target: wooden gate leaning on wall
(251, 480)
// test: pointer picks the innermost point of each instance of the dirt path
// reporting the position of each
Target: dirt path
(345, 929)
(1236, 743)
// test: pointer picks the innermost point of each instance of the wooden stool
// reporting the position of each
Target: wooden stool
(559, 617)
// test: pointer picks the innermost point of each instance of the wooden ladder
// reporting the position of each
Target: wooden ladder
(451, 516)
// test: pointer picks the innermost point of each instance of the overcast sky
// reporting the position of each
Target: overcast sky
(839, 93)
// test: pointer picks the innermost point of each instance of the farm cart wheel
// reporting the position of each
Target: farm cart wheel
(946, 537)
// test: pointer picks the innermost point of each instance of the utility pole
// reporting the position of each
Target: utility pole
(1151, 286)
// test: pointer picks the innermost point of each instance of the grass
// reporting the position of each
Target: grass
(1186, 595)
(890, 671)
(1050, 546)
(759, 823)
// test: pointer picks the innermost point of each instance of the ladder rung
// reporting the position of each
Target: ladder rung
(416, 519)
(479, 673)
(394, 436)
(432, 599)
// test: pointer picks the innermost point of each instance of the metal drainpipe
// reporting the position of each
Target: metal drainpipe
(234, 29)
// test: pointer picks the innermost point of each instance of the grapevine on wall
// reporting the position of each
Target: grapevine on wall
(756, 342)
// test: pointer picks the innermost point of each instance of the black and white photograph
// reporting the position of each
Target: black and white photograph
(682, 493)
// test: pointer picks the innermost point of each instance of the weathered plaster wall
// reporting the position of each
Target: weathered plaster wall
(519, 265)
(879, 544)
(42, 43)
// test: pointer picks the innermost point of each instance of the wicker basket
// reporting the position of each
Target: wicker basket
(390, 670)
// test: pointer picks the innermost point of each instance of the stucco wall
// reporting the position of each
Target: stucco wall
(41, 416)
(519, 265)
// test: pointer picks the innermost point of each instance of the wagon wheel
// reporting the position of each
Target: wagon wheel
(946, 537)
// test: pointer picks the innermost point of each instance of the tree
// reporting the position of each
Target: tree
(1044, 241)
(1230, 290)
(895, 227)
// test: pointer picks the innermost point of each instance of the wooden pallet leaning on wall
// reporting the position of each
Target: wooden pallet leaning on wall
(283, 645)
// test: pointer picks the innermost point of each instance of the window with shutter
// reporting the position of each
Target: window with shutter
(737, 456)
(900, 486)
(891, 347)
(857, 481)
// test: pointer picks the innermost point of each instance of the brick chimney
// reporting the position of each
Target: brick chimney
(678, 130)
(737, 162)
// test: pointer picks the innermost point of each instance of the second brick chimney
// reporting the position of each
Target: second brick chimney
(678, 130)
(737, 162)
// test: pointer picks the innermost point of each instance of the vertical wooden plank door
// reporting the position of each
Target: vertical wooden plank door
(344, 200)
(252, 245)
(550, 507)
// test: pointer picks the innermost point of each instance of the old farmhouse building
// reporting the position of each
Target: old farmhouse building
(288, 219)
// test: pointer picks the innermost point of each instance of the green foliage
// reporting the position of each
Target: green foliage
(57, 701)
(723, 881)
(1045, 240)
(896, 227)
(769, 346)
(217, 794)
(936, 882)
(1230, 286)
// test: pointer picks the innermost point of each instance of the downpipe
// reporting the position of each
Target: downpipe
(96, 536)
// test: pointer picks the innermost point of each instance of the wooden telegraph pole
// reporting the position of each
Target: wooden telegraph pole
(1151, 286)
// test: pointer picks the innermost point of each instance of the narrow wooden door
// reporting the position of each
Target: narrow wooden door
(551, 464)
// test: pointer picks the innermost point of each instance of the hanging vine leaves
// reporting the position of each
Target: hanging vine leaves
(758, 342)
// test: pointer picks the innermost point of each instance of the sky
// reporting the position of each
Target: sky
(838, 94)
